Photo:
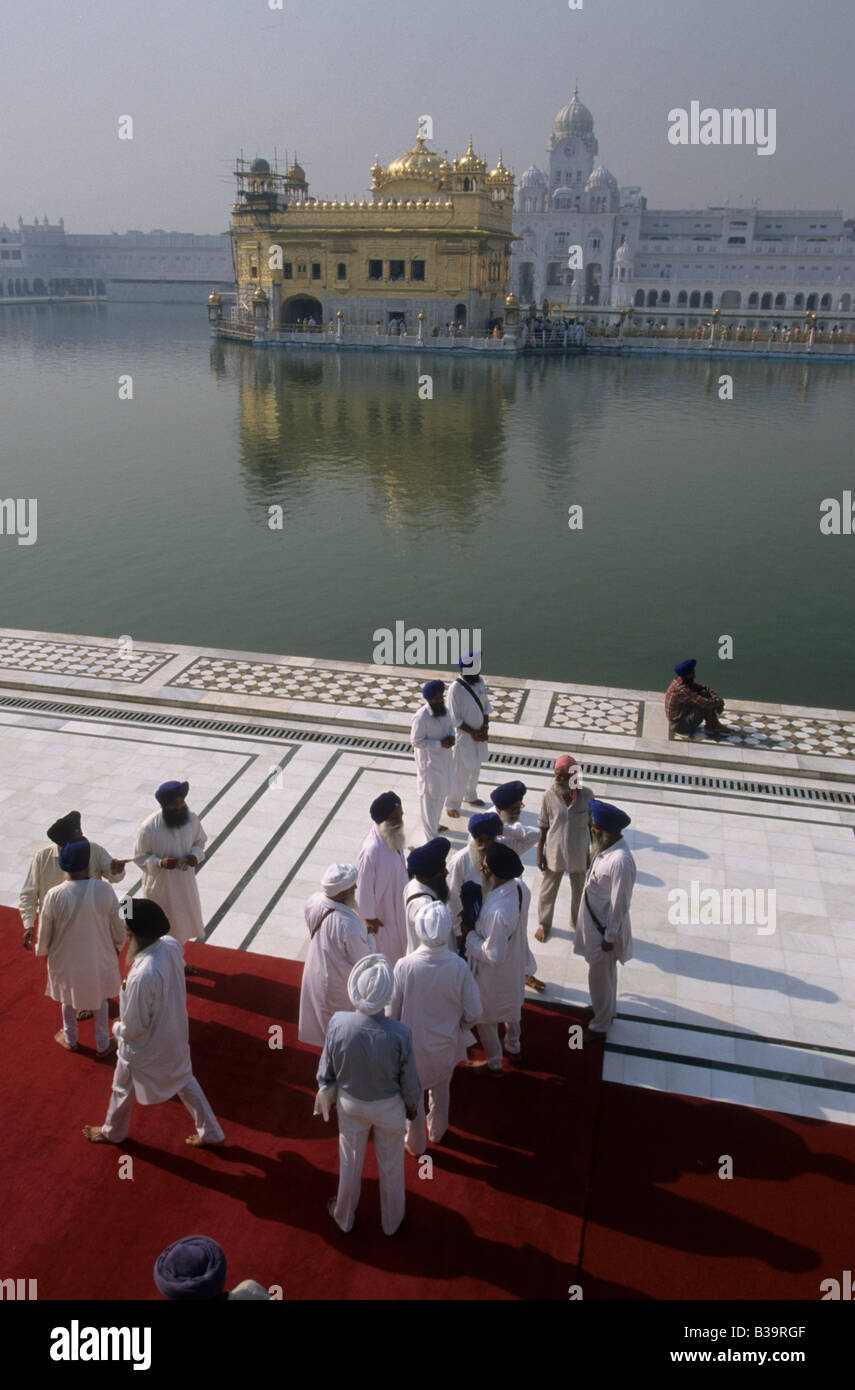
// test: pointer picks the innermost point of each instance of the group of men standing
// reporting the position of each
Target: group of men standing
(450, 744)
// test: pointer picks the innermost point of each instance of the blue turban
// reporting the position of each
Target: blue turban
(607, 817)
(485, 823)
(170, 791)
(427, 860)
(191, 1269)
(74, 856)
(508, 795)
(502, 861)
(471, 899)
(433, 688)
(382, 807)
(685, 668)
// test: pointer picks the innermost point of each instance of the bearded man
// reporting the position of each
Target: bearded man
(153, 1033)
(498, 953)
(466, 883)
(170, 846)
(383, 877)
(564, 842)
(604, 933)
(428, 883)
(432, 736)
(508, 800)
(337, 940)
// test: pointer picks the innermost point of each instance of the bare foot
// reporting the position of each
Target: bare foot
(196, 1143)
(95, 1135)
(83, 1014)
(453, 815)
(476, 801)
(534, 983)
(60, 1038)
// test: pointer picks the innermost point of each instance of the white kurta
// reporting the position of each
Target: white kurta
(380, 893)
(436, 996)
(519, 837)
(418, 896)
(175, 890)
(435, 777)
(81, 932)
(460, 870)
(44, 873)
(153, 1031)
(611, 879)
(468, 755)
(340, 941)
(497, 950)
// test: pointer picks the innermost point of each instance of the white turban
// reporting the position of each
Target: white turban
(433, 925)
(338, 877)
(370, 984)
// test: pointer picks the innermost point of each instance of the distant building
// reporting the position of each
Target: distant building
(42, 259)
(750, 263)
(434, 239)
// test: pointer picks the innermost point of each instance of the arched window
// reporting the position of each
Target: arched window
(639, 299)
(766, 301)
(682, 299)
(666, 297)
(825, 302)
(695, 299)
(341, 271)
(811, 301)
(780, 301)
(752, 300)
(799, 301)
(652, 298)
(845, 303)
(708, 298)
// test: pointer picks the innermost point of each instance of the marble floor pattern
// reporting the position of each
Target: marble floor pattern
(719, 1011)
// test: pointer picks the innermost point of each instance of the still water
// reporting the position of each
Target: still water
(700, 516)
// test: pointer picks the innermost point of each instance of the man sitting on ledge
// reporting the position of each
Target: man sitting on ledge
(688, 704)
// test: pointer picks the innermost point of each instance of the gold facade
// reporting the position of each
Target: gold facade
(434, 239)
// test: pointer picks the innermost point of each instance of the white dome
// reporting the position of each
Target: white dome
(573, 119)
(533, 178)
(601, 178)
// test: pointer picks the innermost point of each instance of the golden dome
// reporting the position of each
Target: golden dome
(500, 172)
(417, 161)
(512, 302)
(470, 160)
(296, 171)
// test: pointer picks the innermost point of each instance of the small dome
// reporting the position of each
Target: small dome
(601, 178)
(500, 172)
(259, 166)
(470, 160)
(296, 172)
(418, 160)
(533, 178)
(573, 119)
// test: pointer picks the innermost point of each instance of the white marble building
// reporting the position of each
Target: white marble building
(755, 265)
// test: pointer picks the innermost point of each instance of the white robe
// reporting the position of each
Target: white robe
(81, 932)
(153, 1032)
(497, 950)
(340, 941)
(44, 873)
(468, 755)
(519, 837)
(461, 870)
(175, 890)
(437, 997)
(435, 776)
(609, 885)
(380, 893)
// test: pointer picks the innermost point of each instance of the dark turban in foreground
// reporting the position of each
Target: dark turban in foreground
(502, 861)
(607, 817)
(686, 669)
(427, 860)
(432, 689)
(146, 918)
(65, 829)
(168, 792)
(191, 1269)
(74, 856)
(383, 806)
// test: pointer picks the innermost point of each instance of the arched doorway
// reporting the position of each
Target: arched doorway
(460, 314)
(302, 306)
(593, 280)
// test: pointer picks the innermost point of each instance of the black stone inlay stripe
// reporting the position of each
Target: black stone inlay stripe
(268, 849)
(740, 1070)
(637, 776)
(299, 861)
(729, 1033)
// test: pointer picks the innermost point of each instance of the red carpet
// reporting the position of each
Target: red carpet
(537, 1171)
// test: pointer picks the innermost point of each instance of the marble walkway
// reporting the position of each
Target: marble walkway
(284, 754)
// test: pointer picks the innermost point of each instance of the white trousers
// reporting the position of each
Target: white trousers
(468, 757)
(417, 1133)
(434, 785)
(488, 1034)
(100, 1017)
(115, 1126)
(602, 983)
(356, 1118)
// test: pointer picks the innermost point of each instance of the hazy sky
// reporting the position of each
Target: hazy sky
(204, 78)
